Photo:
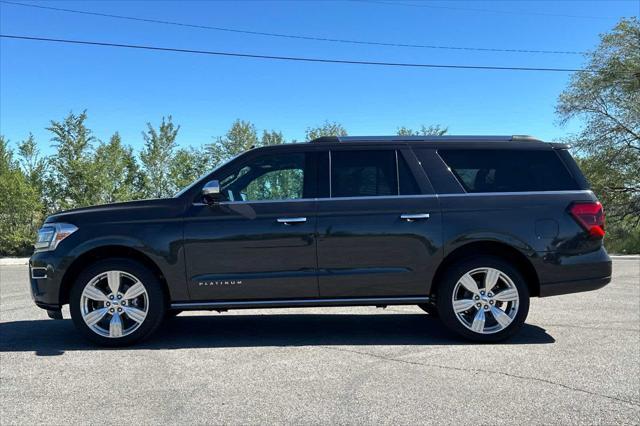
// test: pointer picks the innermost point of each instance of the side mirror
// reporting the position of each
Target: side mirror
(211, 192)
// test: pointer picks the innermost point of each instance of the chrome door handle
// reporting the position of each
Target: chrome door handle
(290, 220)
(413, 217)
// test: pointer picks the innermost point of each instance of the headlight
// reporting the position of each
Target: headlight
(50, 235)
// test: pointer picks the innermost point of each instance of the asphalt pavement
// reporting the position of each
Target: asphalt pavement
(577, 360)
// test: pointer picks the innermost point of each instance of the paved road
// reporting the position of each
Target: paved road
(576, 361)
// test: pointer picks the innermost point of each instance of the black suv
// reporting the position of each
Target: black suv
(466, 227)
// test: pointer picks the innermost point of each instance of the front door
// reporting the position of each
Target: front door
(259, 243)
(379, 232)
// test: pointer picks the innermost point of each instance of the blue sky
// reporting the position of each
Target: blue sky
(123, 89)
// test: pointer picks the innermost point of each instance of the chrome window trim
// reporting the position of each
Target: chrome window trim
(298, 200)
(396, 197)
(476, 194)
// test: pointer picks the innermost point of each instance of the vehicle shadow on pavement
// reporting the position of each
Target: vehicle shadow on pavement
(50, 338)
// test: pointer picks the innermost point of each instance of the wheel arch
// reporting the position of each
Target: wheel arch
(105, 252)
(490, 248)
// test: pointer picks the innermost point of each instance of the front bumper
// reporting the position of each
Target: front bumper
(45, 277)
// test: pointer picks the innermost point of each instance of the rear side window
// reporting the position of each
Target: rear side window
(489, 170)
(363, 174)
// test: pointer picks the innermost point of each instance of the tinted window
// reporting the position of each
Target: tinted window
(575, 171)
(508, 170)
(363, 173)
(268, 177)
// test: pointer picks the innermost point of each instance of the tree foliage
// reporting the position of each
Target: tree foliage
(118, 173)
(241, 136)
(187, 165)
(73, 181)
(606, 100)
(271, 138)
(33, 164)
(435, 130)
(157, 154)
(328, 128)
(20, 206)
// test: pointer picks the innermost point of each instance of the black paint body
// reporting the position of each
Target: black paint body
(350, 251)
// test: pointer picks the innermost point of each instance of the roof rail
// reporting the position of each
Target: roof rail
(455, 138)
(325, 139)
(524, 138)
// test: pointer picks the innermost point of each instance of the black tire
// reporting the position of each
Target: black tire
(444, 301)
(155, 301)
(429, 308)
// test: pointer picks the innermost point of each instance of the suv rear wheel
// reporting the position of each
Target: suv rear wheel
(117, 302)
(484, 299)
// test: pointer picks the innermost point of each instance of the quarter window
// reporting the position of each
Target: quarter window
(512, 170)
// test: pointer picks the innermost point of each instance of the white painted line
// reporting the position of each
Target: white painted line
(6, 261)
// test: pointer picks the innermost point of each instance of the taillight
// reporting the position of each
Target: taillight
(590, 216)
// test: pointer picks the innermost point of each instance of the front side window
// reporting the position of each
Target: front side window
(268, 177)
(492, 170)
(283, 184)
(363, 173)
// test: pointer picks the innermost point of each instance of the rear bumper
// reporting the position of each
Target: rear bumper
(554, 289)
(562, 274)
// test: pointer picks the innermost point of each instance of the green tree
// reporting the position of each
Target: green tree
(187, 165)
(156, 157)
(20, 206)
(606, 100)
(73, 181)
(328, 128)
(271, 138)
(35, 166)
(434, 130)
(117, 171)
(241, 137)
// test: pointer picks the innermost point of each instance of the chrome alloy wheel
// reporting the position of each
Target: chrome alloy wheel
(114, 304)
(485, 300)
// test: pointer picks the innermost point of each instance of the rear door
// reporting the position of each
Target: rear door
(379, 231)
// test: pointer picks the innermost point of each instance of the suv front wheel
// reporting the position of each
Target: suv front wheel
(484, 299)
(117, 302)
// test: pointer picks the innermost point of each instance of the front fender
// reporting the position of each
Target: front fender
(158, 243)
